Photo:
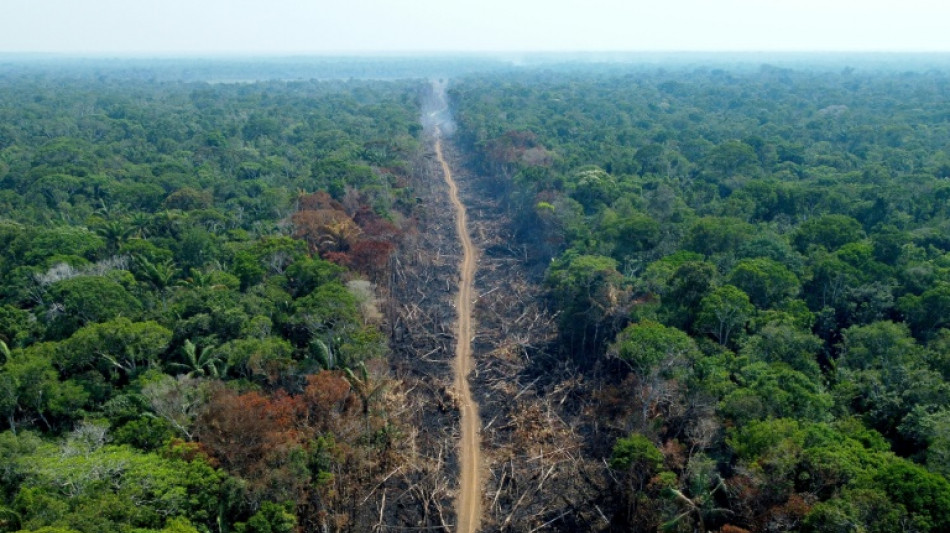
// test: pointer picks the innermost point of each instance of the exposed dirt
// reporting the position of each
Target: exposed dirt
(470, 494)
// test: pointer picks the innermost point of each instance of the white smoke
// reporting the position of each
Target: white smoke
(436, 115)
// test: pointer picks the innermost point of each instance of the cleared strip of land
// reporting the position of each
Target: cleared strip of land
(470, 497)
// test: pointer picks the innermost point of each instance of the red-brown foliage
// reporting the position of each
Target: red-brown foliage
(675, 454)
(325, 230)
(326, 397)
(733, 529)
(256, 436)
(318, 201)
(249, 432)
(339, 258)
(244, 430)
(380, 229)
(789, 515)
(747, 496)
(371, 257)
(188, 452)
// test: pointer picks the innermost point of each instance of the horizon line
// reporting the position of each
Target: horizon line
(443, 53)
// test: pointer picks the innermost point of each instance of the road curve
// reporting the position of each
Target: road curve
(469, 503)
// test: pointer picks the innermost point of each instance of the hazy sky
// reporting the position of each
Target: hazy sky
(302, 26)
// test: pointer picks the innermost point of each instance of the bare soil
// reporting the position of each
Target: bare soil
(470, 494)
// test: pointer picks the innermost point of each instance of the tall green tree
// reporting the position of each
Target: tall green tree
(724, 312)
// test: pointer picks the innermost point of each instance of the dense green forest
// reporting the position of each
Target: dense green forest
(754, 263)
(188, 321)
(748, 267)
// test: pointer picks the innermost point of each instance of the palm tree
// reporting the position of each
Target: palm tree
(115, 233)
(367, 388)
(323, 353)
(140, 223)
(204, 361)
(201, 279)
(159, 275)
(698, 507)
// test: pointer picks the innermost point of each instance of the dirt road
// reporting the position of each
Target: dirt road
(469, 504)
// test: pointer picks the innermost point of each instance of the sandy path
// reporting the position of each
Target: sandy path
(469, 504)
